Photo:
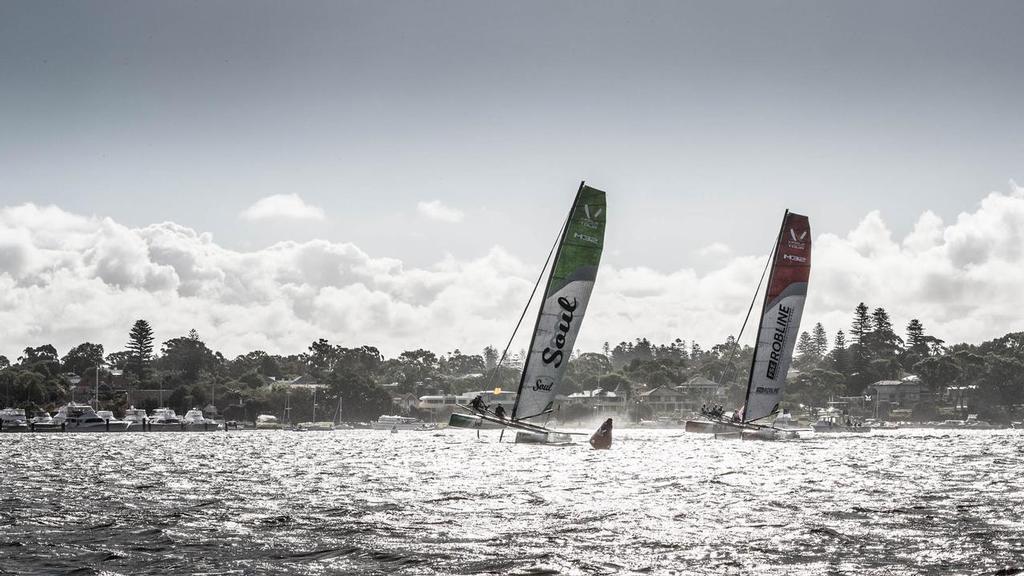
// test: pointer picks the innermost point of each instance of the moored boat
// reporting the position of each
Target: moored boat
(43, 422)
(831, 423)
(267, 422)
(401, 423)
(13, 420)
(82, 418)
(195, 421)
(164, 420)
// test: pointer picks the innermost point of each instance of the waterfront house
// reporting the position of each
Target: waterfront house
(663, 400)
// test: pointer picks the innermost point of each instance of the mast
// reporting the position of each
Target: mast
(779, 324)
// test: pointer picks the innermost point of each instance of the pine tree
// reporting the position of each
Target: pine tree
(916, 341)
(859, 352)
(861, 324)
(838, 354)
(883, 341)
(806, 352)
(820, 340)
(140, 350)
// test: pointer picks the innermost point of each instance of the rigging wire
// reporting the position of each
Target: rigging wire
(736, 343)
(540, 277)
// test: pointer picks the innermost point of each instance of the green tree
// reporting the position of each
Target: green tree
(188, 356)
(140, 350)
(82, 357)
(859, 351)
(937, 373)
(806, 352)
(490, 357)
(361, 398)
(838, 354)
(883, 342)
(820, 340)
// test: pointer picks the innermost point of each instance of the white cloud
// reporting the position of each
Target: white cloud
(65, 279)
(715, 250)
(435, 210)
(290, 206)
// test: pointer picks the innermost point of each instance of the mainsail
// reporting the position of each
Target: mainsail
(780, 318)
(565, 301)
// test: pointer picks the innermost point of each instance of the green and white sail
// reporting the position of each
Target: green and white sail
(565, 302)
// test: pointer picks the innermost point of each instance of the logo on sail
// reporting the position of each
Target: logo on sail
(543, 383)
(778, 341)
(797, 241)
(555, 356)
(590, 221)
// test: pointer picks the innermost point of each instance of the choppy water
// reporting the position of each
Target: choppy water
(368, 502)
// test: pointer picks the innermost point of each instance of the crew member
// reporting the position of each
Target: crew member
(499, 411)
(478, 404)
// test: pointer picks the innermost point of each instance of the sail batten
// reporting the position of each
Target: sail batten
(780, 318)
(567, 293)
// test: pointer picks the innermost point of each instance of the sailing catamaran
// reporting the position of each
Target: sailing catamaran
(776, 335)
(570, 282)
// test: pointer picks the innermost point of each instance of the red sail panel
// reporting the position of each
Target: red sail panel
(780, 318)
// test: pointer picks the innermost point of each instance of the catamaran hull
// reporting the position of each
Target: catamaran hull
(472, 422)
(553, 438)
(769, 434)
(705, 427)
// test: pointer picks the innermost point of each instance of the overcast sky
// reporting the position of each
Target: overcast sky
(393, 173)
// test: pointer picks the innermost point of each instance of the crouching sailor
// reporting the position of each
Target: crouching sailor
(602, 439)
(478, 404)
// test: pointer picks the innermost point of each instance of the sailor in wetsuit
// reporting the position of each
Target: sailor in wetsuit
(478, 404)
(499, 411)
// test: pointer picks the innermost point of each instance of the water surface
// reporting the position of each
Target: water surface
(371, 502)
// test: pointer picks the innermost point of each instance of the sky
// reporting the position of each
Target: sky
(393, 173)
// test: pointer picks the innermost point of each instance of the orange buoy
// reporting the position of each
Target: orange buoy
(602, 439)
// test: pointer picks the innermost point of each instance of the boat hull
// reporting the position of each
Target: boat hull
(113, 427)
(842, 429)
(551, 438)
(706, 427)
(473, 422)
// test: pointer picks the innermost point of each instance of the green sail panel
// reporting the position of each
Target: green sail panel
(565, 302)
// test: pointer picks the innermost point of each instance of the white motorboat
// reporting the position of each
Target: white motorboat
(267, 422)
(13, 420)
(135, 415)
(324, 426)
(165, 420)
(835, 423)
(82, 418)
(195, 421)
(43, 422)
(401, 423)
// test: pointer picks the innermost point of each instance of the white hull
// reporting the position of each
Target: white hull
(114, 427)
(416, 426)
(555, 438)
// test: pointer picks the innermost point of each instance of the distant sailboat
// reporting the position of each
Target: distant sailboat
(776, 334)
(567, 293)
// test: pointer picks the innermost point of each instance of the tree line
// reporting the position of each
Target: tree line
(986, 378)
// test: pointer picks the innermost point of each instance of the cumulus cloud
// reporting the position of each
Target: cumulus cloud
(67, 278)
(436, 210)
(289, 206)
